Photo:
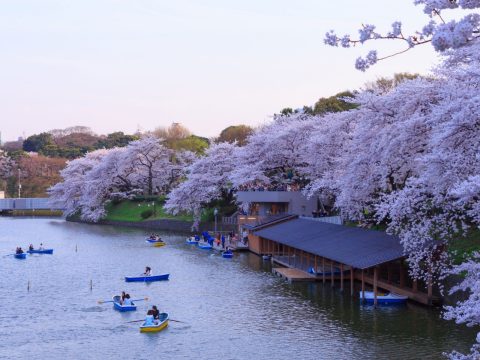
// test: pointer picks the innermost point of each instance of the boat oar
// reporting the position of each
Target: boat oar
(133, 321)
(104, 301)
(108, 301)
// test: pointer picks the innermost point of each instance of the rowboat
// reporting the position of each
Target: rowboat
(384, 298)
(266, 257)
(205, 246)
(20, 256)
(38, 251)
(159, 243)
(120, 307)
(151, 241)
(227, 254)
(327, 272)
(192, 241)
(146, 278)
(157, 326)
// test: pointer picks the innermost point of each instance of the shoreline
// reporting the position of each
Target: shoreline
(159, 224)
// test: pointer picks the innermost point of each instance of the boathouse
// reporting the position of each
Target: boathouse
(310, 250)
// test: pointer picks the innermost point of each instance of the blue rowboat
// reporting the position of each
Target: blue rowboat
(384, 298)
(327, 272)
(122, 308)
(38, 251)
(146, 278)
(205, 246)
(20, 256)
(227, 254)
(192, 241)
(151, 241)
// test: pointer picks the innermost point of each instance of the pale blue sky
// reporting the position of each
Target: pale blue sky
(118, 64)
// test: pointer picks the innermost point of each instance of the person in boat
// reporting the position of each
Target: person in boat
(127, 300)
(19, 250)
(149, 319)
(148, 271)
(122, 297)
(155, 312)
(41, 246)
(30, 247)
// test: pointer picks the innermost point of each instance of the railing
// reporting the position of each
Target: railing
(230, 220)
(326, 219)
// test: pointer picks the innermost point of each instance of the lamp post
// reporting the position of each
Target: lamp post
(215, 213)
(154, 208)
(19, 184)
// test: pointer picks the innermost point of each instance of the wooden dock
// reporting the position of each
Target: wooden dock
(294, 275)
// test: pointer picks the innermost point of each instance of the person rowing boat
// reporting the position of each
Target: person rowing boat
(148, 271)
(127, 301)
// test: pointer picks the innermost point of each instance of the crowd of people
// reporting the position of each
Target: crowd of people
(258, 186)
(225, 241)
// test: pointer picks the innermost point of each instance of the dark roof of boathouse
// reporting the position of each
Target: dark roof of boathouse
(353, 246)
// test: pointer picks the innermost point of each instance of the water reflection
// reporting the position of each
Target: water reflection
(232, 309)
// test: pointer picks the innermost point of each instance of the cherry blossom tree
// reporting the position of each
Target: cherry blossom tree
(275, 152)
(466, 311)
(143, 166)
(151, 161)
(442, 34)
(208, 179)
(6, 165)
(67, 194)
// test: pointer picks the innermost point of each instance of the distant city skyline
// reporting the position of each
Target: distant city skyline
(116, 65)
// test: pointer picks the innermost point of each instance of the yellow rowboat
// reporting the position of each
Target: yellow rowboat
(159, 244)
(158, 325)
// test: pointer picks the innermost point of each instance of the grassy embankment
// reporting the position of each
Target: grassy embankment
(132, 211)
(461, 248)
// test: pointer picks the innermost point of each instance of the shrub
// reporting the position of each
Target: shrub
(145, 214)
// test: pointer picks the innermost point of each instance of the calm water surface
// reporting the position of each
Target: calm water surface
(232, 309)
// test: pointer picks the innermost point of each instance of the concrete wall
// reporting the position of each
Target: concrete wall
(26, 204)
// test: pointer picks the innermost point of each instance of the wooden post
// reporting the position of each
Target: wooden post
(375, 279)
(402, 274)
(429, 288)
(389, 273)
(323, 270)
(363, 285)
(429, 291)
(315, 264)
(351, 280)
(331, 273)
(341, 277)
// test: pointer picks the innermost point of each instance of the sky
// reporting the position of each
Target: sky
(123, 65)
